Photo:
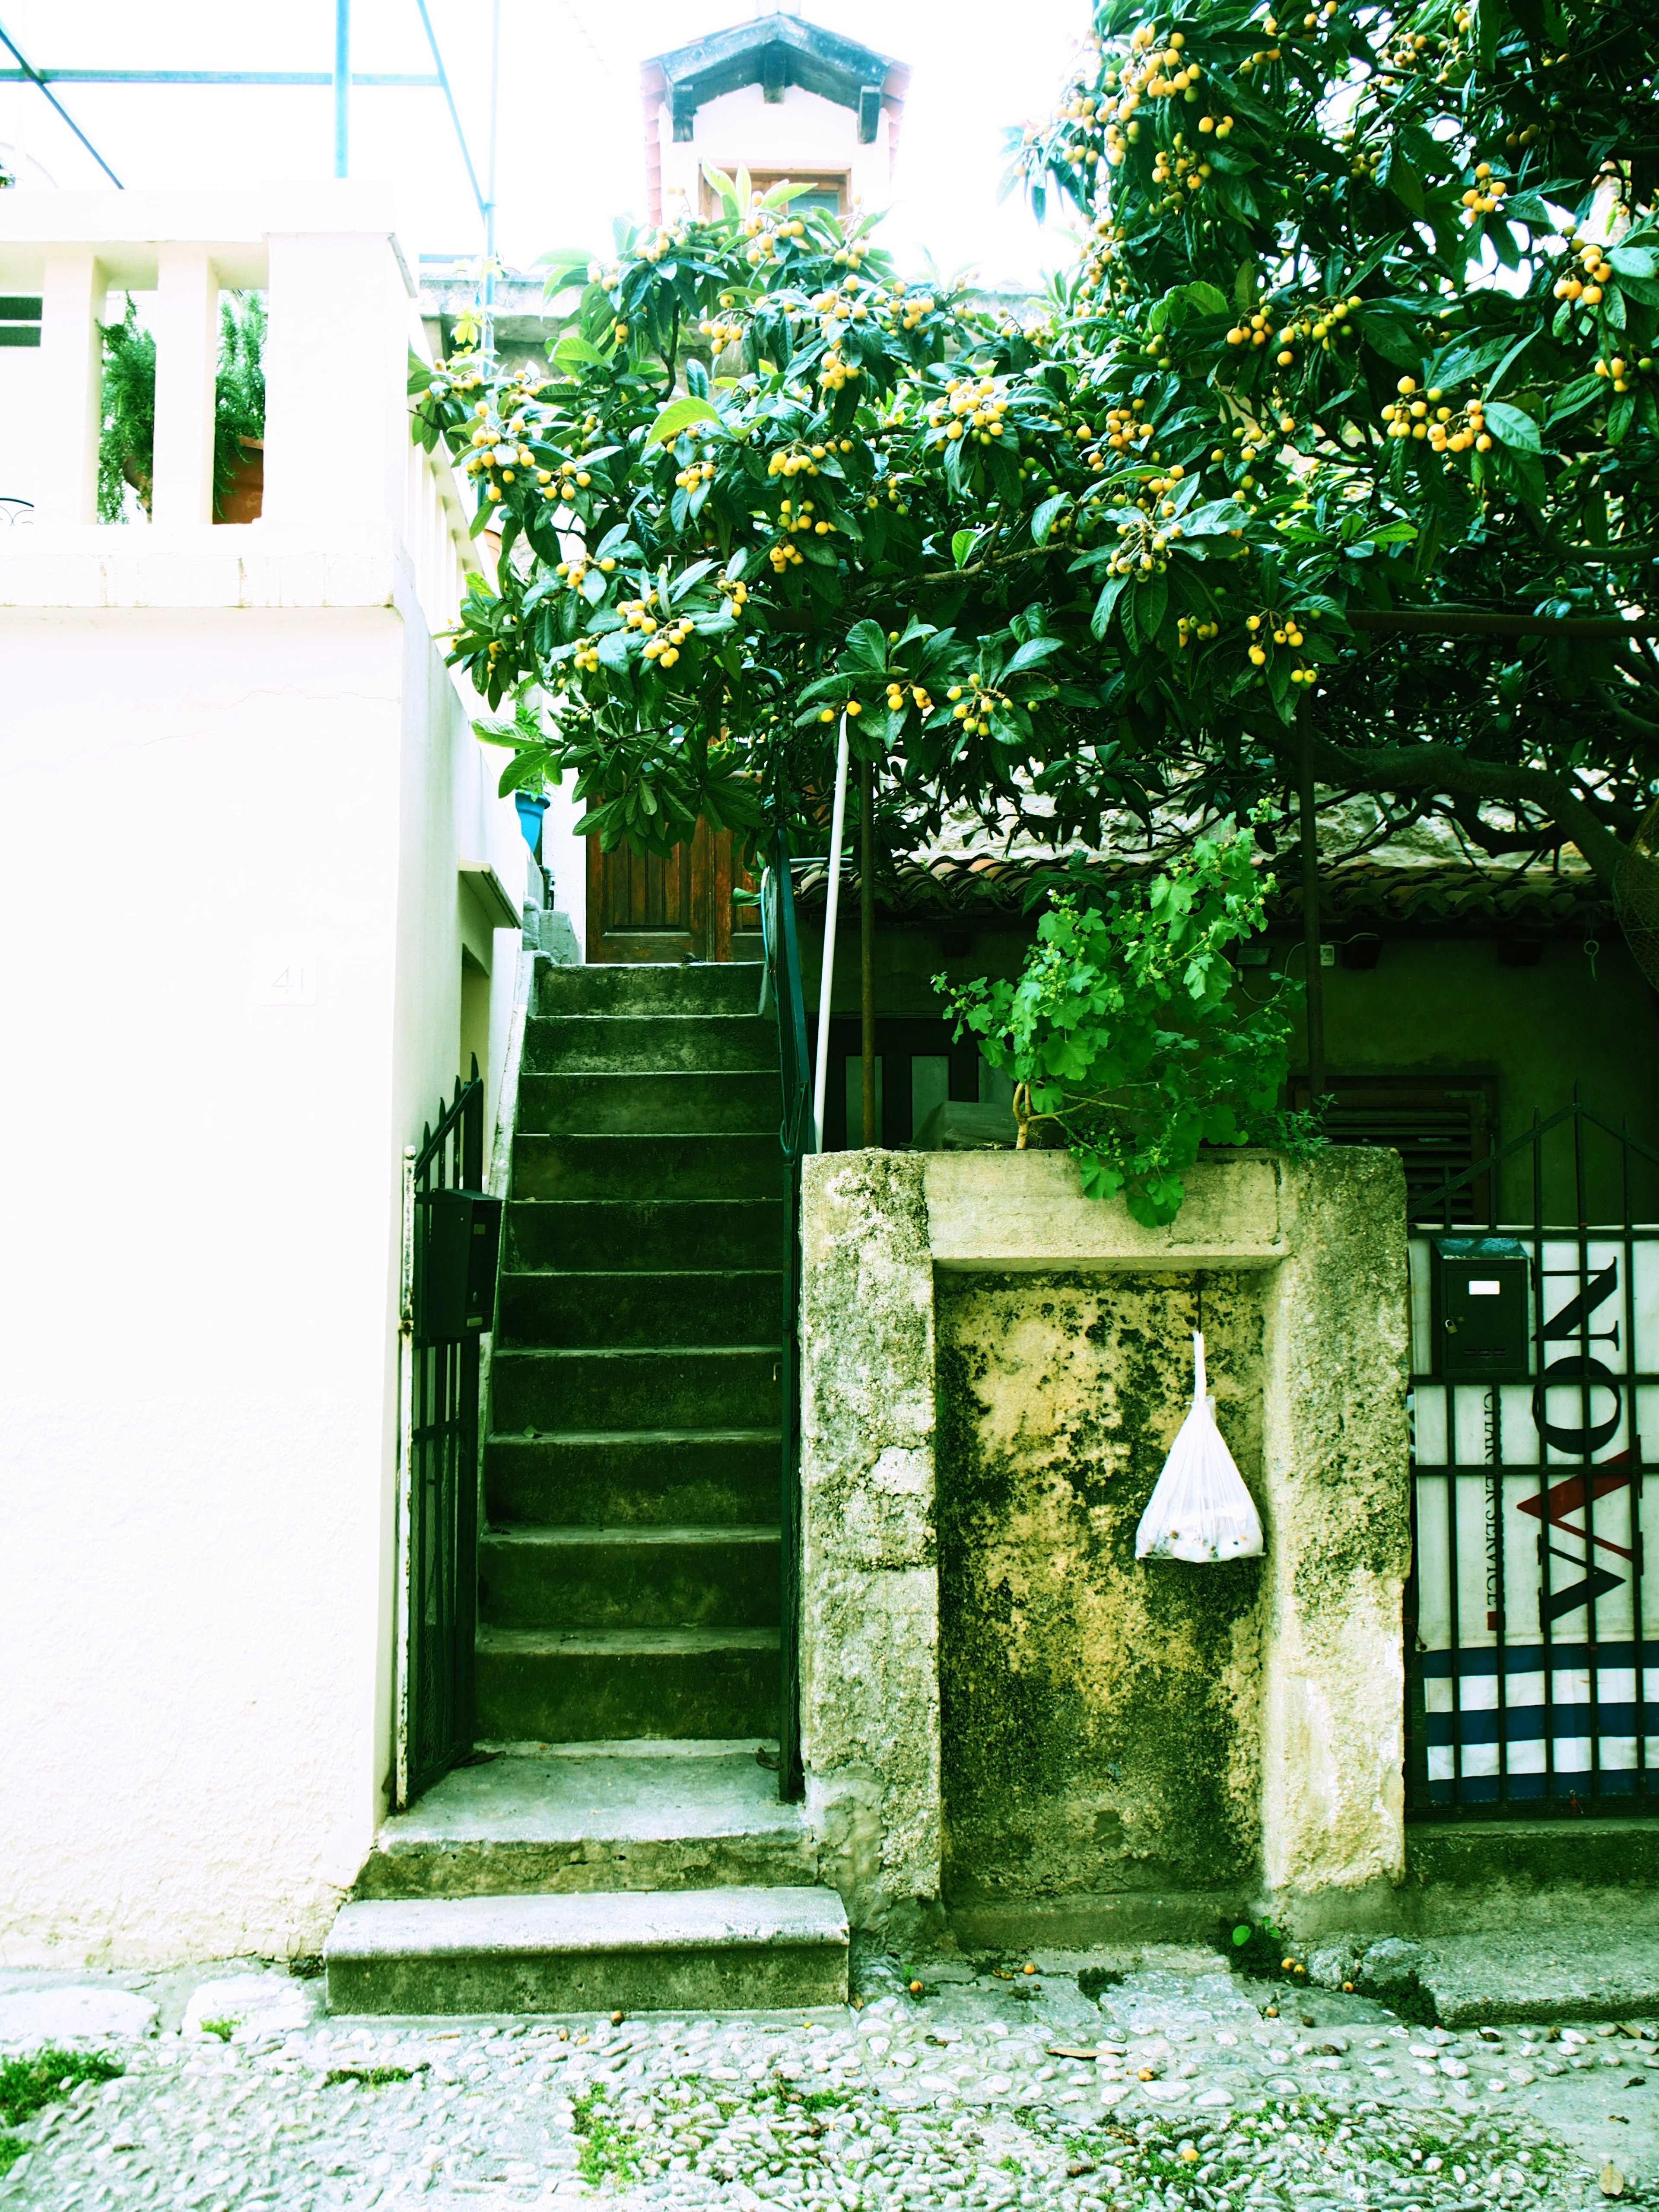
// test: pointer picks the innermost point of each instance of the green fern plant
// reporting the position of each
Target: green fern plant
(126, 446)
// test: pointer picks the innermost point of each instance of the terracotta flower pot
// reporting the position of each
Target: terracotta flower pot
(245, 500)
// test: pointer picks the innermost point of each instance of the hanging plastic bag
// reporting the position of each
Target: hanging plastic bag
(1201, 1509)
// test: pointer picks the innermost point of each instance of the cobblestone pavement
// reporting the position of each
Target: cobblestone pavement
(1165, 2086)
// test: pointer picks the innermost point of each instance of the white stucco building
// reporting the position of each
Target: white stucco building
(261, 905)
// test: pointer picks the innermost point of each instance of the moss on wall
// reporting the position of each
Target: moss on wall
(1099, 1717)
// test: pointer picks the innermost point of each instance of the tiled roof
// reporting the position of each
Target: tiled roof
(1415, 899)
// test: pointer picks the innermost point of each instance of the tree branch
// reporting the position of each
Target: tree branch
(1476, 622)
(1443, 768)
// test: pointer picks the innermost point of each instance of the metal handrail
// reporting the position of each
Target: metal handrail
(795, 1141)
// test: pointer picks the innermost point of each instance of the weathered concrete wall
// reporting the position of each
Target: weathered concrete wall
(869, 1582)
(1000, 1707)
(1334, 1466)
(1100, 1719)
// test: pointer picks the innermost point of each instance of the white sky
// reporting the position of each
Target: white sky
(571, 129)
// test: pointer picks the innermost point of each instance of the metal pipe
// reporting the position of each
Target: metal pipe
(868, 946)
(34, 76)
(399, 80)
(827, 974)
(1314, 977)
(490, 172)
(454, 112)
(342, 87)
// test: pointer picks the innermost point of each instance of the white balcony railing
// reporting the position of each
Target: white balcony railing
(341, 475)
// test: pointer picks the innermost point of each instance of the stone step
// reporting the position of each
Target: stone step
(651, 1234)
(682, 1386)
(696, 1950)
(606, 1816)
(645, 986)
(663, 1578)
(643, 1476)
(597, 1044)
(596, 1686)
(743, 1164)
(669, 1103)
(682, 1305)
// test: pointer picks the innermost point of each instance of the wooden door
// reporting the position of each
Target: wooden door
(643, 907)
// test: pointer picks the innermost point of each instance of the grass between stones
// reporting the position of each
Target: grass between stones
(28, 2085)
(776, 2127)
(1344, 2149)
(607, 2148)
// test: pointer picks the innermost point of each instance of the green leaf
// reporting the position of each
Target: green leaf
(720, 183)
(1634, 261)
(562, 265)
(1393, 339)
(1396, 174)
(1509, 361)
(574, 351)
(1150, 598)
(679, 415)
(867, 647)
(1110, 595)
(1511, 427)
(1241, 1933)
(962, 545)
(1032, 654)
(1043, 521)
(1204, 299)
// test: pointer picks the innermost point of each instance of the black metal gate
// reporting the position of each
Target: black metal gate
(1532, 1630)
(441, 1489)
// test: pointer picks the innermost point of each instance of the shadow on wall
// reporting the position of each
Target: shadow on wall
(1099, 1717)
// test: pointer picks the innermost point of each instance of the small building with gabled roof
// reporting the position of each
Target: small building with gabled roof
(780, 97)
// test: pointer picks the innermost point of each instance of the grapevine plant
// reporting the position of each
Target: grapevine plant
(1127, 1033)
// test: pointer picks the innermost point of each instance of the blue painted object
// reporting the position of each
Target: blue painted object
(532, 807)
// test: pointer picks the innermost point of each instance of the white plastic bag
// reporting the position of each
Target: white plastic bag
(1201, 1509)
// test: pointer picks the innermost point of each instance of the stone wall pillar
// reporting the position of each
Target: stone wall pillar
(1334, 1461)
(1325, 1238)
(870, 1726)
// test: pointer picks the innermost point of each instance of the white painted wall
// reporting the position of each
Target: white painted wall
(799, 134)
(198, 1404)
(564, 855)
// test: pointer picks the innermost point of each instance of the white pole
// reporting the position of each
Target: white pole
(826, 981)
(489, 209)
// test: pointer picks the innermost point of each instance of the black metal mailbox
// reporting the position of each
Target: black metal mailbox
(1482, 1308)
(455, 1265)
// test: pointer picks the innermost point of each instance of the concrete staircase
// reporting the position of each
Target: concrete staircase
(625, 1846)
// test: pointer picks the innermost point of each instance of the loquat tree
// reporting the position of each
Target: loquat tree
(1386, 278)
(1336, 449)
(768, 481)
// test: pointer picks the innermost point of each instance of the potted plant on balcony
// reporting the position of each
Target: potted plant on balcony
(126, 445)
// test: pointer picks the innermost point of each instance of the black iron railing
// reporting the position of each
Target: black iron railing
(441, 1540)
(1532, 1631)
(796, 1137)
